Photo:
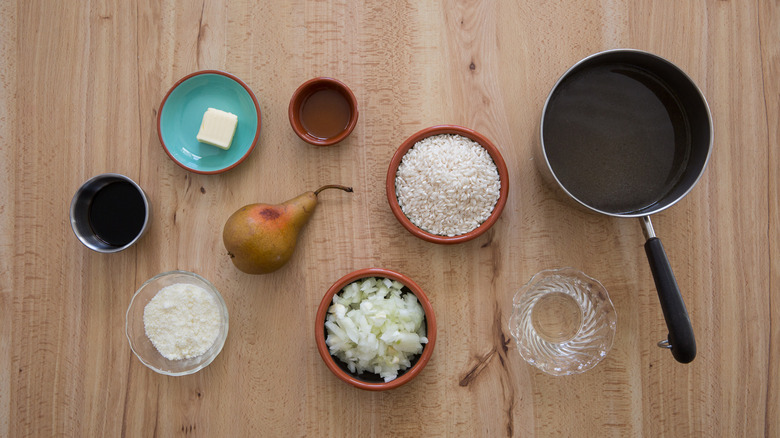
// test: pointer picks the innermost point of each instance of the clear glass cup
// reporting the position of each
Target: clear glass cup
(563, 321)
(143, 347)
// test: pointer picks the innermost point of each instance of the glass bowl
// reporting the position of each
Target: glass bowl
(143, 347)
(563, 321)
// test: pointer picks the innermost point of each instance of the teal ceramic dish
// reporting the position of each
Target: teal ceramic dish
(181, 113)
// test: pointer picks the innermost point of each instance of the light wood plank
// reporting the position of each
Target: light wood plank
(80, 88)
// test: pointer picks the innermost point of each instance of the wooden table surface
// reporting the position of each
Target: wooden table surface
(81, 84)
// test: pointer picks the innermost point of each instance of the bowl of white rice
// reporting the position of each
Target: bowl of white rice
(447, 184)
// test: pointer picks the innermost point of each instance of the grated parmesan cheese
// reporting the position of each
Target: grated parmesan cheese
(182, 321)
(447, 184)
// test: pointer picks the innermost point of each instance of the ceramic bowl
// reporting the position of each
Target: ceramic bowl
(392, 198)
(370, 381)
(141, 345)
(299, 99)
(181, 113)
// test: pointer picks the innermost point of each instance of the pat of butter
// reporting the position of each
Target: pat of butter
(217, 128)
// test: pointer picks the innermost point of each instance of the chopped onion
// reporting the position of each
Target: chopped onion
(374, 326)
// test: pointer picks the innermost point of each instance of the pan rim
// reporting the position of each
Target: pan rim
(646, 211)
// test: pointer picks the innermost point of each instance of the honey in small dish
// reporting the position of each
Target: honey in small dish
(325, 113)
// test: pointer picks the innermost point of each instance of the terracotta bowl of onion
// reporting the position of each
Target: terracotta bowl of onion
(447, 184)
(375, 329)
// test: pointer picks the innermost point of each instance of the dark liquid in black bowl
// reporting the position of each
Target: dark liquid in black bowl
(117, 213)
(616, 137)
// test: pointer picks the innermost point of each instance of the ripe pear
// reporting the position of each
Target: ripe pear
(261, 238)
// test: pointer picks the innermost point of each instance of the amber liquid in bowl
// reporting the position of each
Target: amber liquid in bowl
(325, 113)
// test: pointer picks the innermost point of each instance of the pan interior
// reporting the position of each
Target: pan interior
(616, 137)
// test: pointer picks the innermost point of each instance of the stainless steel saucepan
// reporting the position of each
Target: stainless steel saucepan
(627, 133)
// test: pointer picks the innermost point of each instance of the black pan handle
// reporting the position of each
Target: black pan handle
(680, 338)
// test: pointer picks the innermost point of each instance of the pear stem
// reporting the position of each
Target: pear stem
(332, 186)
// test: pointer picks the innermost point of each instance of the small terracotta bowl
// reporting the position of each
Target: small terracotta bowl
(503, 175)
(302, 94)
(370, 381)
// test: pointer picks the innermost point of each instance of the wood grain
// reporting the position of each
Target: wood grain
(80, 87)
(769, 17)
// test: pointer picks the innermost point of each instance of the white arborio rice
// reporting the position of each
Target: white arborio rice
(447, 184)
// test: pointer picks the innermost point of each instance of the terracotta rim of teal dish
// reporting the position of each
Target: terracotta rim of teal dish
(216, 72)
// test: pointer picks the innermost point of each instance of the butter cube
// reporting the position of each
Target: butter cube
(217, 128)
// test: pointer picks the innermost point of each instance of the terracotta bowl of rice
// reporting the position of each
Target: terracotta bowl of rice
(447, 184)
